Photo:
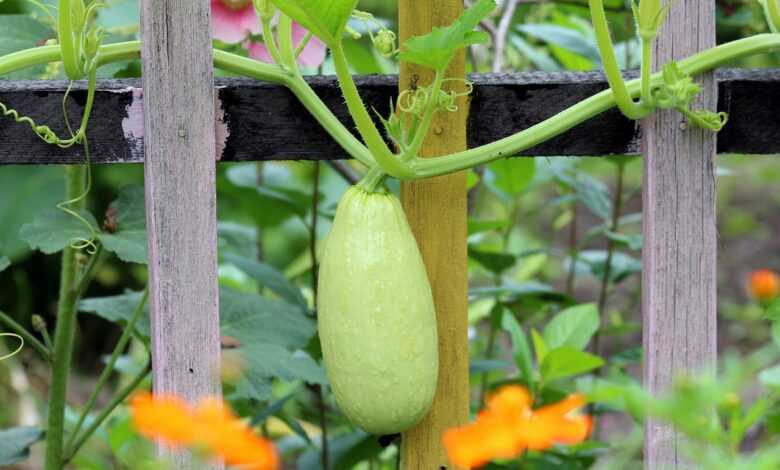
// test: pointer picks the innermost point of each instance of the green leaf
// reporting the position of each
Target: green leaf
(269, 277)
(513, 175)
(573, 327)
(325, 18)
(271, 410)
(19, 32)
(566, 361)
(513, 292)
(118, 309)
(540, 347)
(55, 229)
(436, 49)
(479, 366)
(521, 349)
(493, 261)
(40, 188)
(4, 263)
(127, 237)
(480, 226)
(344, 451)
(15, 444)
(595, 261)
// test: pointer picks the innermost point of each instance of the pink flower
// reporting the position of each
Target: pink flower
(313, 53)
(233, 21)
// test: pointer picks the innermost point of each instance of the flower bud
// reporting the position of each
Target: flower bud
(764, 285)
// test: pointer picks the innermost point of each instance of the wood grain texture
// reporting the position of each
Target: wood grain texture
(266, 122)
(437, 212)
(679, 272)
(181, 212)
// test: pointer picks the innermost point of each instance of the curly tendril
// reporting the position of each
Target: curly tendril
(415, 101)
(18, 349)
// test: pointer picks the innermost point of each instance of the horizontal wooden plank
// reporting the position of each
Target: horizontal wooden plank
(261, 121)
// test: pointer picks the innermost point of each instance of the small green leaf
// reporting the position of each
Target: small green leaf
(566, 361)
(436, 49)
(271, 410)
(127, 218)
(521, 349)
(324, 18)
(573, 327)
(15, 444)
(54, 230)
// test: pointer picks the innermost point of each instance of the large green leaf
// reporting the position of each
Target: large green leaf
(269, 336)
(18, 32)
(566, 361)
(436, 49)
(15, 444)
(573, 327)
(324, 18)
(55, 229)
(127, 234)
(40, 187)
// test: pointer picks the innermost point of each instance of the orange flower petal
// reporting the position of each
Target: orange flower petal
(165, 418)
(764, 284)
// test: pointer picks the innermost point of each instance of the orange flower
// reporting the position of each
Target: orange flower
(764, 285)
(508, 426)
(210, 426)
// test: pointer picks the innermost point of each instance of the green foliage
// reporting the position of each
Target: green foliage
(573, 327)
(325, 18)
(436, 49)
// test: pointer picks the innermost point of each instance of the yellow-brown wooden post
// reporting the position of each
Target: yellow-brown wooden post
(436, 209)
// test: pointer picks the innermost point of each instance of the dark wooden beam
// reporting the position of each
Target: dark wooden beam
(261, 121)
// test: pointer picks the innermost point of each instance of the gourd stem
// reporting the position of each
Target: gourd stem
(373, 180)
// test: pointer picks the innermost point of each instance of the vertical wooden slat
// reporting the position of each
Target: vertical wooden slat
(679, 284)
(181, 197)
(436, 210)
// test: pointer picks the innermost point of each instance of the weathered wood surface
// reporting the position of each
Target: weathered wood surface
(680, 251)
(437, 212)
(260, 121)
(180, 177)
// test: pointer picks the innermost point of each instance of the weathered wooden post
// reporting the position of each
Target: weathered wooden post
(181, 197)
(437, 213)
(679, 284)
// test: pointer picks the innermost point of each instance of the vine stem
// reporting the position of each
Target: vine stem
(115, 402)
(64, 334)
(605, 279)
(109, 368)
(317, 389)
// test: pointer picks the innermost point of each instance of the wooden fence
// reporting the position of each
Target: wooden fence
(180, 124)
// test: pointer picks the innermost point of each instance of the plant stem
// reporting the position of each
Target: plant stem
(316, 388)
(64, 333)
(26, 335)
(647, 65)
(376, 144)
(115, 402)
(109, 368)
(624, 100)
(89, 271)
(605, 279)
(422, 132)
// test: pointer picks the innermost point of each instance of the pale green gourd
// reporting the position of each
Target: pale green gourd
(376, 315)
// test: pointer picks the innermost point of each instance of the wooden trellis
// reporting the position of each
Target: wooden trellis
(178, 129)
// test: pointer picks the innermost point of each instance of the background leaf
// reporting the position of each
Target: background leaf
(15, 444)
